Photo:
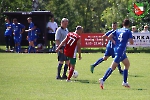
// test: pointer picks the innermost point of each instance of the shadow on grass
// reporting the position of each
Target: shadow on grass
(139, 89)
(87, 81)
(135, 75)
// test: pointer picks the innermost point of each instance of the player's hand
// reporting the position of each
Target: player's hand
(26, 30)
(27, 38)
(13, 33)
(61, 51)
(56, 50)
(113, 42)
(104, 45)
(80, 57)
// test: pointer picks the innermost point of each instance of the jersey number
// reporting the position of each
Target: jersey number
(120, 37)
(71, 41)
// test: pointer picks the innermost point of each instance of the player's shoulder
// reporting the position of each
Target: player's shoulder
(109, 32)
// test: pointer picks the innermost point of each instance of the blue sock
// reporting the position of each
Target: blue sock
(29, 49)
(35, 43)
(107, 74)
(125, 75)
(98, 61)
(119, 67)
(33, 49)
(16, 47)
(19, 48)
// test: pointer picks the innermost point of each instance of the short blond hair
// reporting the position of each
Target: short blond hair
(133, 26)
(64, 19)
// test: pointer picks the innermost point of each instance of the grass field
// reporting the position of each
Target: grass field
(32, 77)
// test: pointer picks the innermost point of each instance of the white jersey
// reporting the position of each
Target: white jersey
(53, 26)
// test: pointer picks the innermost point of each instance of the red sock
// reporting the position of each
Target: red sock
(70, 73)
(69, 66)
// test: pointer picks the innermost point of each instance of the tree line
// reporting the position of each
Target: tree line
(93, 15)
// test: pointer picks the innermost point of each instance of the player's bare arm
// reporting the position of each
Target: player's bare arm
(22, 30)
(61, 44)
(79, 48)
(50, 29)
(33, 28)
(110, 37)
(131, 41)
(104, 41)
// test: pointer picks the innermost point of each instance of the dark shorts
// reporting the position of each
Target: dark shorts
(62, 56)
(51, 36)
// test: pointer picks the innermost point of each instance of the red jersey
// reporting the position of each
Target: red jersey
(71, 45)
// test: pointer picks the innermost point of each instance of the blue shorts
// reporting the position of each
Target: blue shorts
(17, 39)
(110, 52)
(120, 55)
(31, 39)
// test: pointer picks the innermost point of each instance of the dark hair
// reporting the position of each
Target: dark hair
(126, 22)
(114, 23)
(78, 27)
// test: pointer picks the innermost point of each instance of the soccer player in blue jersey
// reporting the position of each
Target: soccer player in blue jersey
(18, 29)
(31, 35)
(109, 50)
(122, 37)
(8, 34)
(37, 33)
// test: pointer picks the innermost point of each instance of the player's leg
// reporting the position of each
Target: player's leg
(72, 67)
(33, 47)
(64, 76)
(16, 43)
(113, 56)
(30, 46)
(125, 73)
(60, 64)
(119, 69)
(109, 71)
(100, 60)
(10, 43)
(7, 44)
(19, 44)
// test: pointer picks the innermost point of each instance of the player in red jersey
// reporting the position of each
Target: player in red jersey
(72, 45)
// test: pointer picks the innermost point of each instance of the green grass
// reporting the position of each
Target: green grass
(32, 77)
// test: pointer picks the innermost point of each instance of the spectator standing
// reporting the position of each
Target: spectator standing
(8, 34)
(145, 29)
(52, 27)
(61, 33)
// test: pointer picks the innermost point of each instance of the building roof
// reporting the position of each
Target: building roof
(28, 13)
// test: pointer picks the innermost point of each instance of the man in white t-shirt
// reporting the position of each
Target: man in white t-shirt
(52, 27)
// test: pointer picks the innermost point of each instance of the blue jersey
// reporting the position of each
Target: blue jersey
(110, 44)
(17, 28)
(122, 36)
(37, 31)
(8, 30)
(32, 32)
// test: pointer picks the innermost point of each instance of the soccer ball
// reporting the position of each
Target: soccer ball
(75, 74)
